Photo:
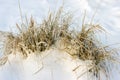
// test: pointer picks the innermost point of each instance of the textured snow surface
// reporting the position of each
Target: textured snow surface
(51, 65)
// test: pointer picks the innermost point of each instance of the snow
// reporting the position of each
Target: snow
(50, 65)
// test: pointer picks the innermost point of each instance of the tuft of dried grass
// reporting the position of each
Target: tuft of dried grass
(82, 45)
(86, 47)
(36, 38)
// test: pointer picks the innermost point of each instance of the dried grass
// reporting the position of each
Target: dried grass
(82, 45)
(86, 47)
(36, 38)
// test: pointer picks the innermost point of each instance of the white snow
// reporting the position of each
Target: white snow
(51, 65)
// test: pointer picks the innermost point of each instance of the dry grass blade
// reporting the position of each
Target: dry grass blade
(3, 60)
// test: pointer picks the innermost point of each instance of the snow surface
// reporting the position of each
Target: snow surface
(50, 65)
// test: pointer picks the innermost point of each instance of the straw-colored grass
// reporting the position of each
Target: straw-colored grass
(36, 38)
(83, 45)
(86, 47)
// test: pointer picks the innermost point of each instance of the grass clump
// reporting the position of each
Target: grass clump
(86, 47)
(36, 38)
(82, 45)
